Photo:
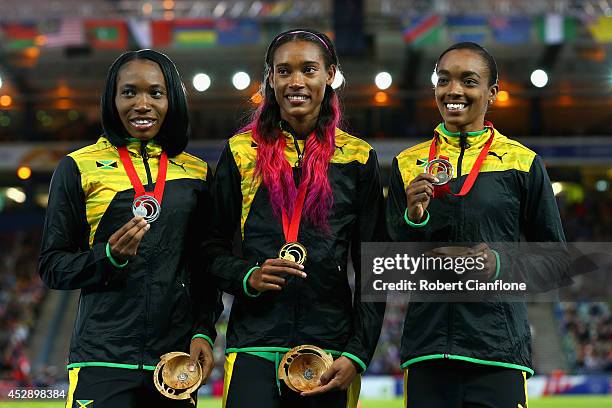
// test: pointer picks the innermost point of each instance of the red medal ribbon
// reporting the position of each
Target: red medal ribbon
(160, 183)
(291, 229)
(471, 178)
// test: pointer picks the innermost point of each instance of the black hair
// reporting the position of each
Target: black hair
(269, 116)
(484, 54)
(174, 132)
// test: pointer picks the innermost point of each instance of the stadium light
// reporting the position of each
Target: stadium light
(539, 78)
(381, 97)
(16, 194)
(383, 80)
(241, 80)
(201, 82)
(24, 172)
(503, 96)
(6, 101)
(434, 78)
(338, 80)
(601, 185)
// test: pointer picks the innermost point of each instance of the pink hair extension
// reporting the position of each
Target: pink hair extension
(277, 173)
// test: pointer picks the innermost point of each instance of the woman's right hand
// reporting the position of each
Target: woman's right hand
(125, 241)
(272, 274)
(419, 193)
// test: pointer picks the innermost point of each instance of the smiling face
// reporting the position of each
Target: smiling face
(298, 78)
(463, 92)
(141, 98)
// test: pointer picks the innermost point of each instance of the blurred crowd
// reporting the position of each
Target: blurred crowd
(588, 335)
(21, 296)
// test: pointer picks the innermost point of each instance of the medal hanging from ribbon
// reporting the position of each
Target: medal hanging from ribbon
(443, 169)
(147, 204)
(292, 250)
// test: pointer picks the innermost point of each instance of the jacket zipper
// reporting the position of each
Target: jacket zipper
(463, 145)
(451, 306)
(451, 312)
(145, 158)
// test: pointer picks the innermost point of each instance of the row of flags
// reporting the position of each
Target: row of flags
(421, 30)
(432, 29)
(118, 34)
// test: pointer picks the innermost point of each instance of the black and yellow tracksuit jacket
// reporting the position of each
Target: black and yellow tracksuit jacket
(511, 201)
(319, 309)
(129, 316)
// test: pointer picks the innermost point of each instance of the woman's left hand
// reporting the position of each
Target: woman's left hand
(200, 350)
(339, 376)
(490, 262)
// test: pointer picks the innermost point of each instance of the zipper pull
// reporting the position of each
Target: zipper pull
(463, 140)
(143, 150)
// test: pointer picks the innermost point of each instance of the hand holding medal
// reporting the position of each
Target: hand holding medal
(273, 274)
(419, 193)
(125, 241)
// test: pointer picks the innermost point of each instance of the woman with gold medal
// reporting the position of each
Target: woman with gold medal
(300, 193)
(471, 184)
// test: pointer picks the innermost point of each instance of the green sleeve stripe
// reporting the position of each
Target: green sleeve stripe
(414, 224)
(205, 337)
(355, 359)
(497, 265)
(112, 260)
(469, 360)
(245, 284)
(112, 365)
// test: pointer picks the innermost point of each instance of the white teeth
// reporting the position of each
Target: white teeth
(297, 97)
(455, 106)
(140, 122)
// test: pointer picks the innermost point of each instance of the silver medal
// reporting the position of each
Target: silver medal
(442, 169)
(147, 207)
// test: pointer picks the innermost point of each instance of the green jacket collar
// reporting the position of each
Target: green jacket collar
(452, 140)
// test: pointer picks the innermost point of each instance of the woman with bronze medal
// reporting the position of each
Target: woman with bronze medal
(470, 184)
(125, 221)
(299, 192)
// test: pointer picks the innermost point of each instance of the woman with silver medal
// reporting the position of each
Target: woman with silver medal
(124, 224)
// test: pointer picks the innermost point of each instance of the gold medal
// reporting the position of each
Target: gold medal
(294, 252)
(301, 367)
(173, 379)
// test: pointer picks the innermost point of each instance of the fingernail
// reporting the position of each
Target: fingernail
(191, 367)
(304, 274)
(147, 227)
(437, 180)
(301, 266)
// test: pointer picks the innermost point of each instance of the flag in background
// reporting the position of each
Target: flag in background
(107, 34)
(423, 30)
(555, 28)
(237, 32)
(63, 33)
(601, 29)
(473, 28)
(194, 33)
(141, 32)
(511, 29)
(161, 33)
(18, 36)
